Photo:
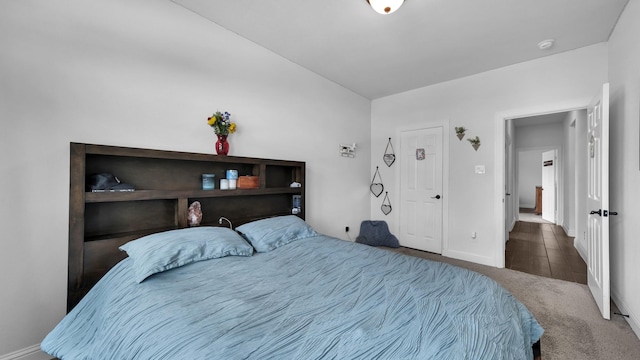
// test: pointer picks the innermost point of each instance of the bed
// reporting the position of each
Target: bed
(277, 289)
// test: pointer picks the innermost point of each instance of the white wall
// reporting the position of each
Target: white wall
(529, 176)
(146, 73)
(624, 75)
(480, 103)
(542, 136)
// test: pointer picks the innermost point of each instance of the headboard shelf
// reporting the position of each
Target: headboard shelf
(130, 235)
(97, 197)
(166, 182)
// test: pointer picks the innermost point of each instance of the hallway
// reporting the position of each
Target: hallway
(544, 250)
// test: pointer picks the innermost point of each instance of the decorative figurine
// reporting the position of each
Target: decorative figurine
(195, 214)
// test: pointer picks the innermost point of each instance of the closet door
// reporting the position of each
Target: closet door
(421, 169)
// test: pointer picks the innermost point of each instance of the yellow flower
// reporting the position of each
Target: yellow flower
(221, 123)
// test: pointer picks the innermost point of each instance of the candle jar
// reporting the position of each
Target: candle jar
(208, 181)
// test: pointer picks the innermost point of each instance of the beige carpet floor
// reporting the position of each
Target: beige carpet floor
(573, 326)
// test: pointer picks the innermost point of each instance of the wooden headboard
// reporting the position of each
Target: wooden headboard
(166, 182)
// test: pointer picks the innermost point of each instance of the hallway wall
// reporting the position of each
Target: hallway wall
(529, 176)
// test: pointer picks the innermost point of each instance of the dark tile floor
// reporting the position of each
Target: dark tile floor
(544, 250)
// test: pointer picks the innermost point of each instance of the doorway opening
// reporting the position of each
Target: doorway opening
(571, 133)
(540, 213)
(591, 148)
(537, 180)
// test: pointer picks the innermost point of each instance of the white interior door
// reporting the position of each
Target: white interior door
(598, 200)
(421, 189)
(549, 165)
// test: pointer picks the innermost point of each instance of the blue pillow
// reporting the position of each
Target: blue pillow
(268, 234)
(376, 233)
(174, 248)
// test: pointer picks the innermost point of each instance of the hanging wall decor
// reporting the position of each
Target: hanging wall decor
(376, 187)
(475, 142)
(389, 157)
(386, 204)
(460, 130)
(348, 150)
(420, 154)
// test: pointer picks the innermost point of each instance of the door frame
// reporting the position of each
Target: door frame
(446, 135)
(500, 122)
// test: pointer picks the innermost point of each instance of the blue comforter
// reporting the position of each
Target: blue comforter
(316, 298)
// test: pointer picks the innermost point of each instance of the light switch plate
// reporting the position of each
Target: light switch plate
(480, 169)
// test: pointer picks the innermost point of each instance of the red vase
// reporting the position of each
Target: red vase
(222, 146)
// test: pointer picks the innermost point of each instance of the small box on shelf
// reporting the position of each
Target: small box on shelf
(248, 182)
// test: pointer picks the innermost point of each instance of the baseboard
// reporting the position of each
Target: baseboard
(470, 257)
(624, 309)
(569, 232)
(582, 251)
(512, 225)
(30, 353)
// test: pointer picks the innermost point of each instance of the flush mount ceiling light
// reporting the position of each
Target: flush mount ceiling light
(545, 44)
(385, 7)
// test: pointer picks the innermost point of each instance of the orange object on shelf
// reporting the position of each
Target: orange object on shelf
(248, 182)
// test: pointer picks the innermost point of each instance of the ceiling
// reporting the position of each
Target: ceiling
(423, 43)
(538, 120)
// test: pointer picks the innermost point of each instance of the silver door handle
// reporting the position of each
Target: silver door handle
(436, 197)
